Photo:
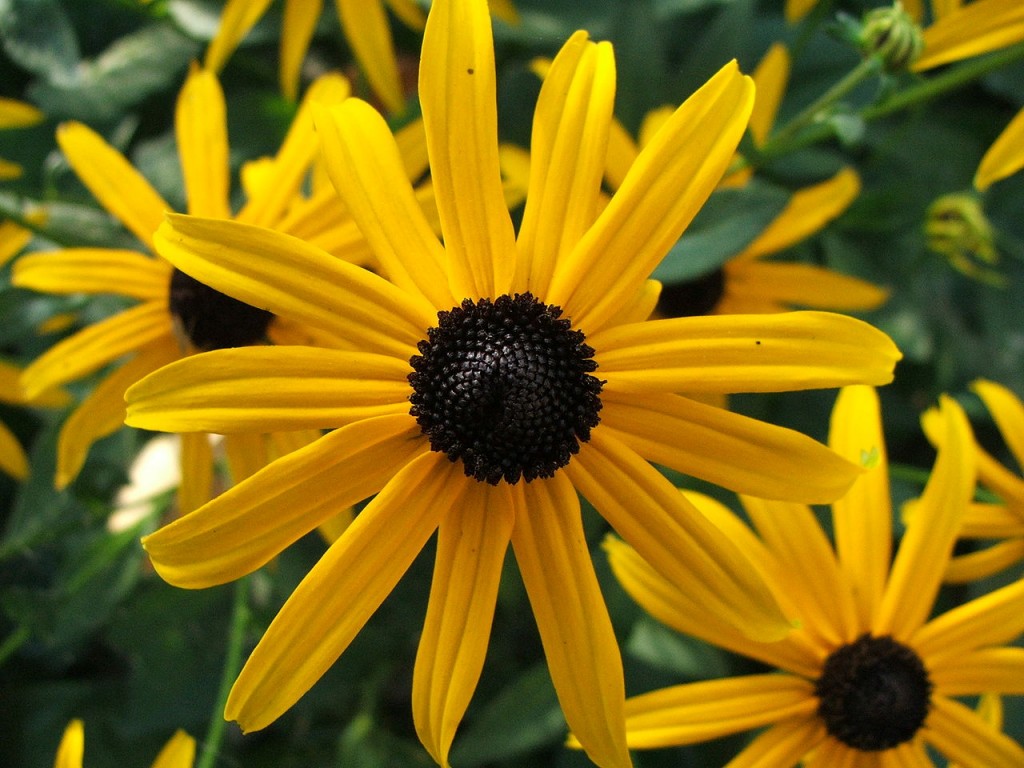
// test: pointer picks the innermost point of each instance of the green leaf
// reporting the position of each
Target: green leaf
(523, 716)
(666, 650)
(38, 35)
(727, 223)
(134, 67)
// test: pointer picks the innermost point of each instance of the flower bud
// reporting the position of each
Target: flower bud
(957, 228)
(892, 34)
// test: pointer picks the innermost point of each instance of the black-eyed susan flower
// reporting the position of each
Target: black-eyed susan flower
(178, 752)
(867, 678)
(15, 114)
(174, 314)
(487, 381)
(1003, 519)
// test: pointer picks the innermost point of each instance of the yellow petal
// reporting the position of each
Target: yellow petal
(120, 188)
(178, 752)
(13, 460)
(727, 449)
(196, 472)
(696, 712)
(18, 114)
(504, 10)
(250, 523)
(267, 389)
(102, 412)
(961, 735)
(771, 76)
(744, 353)
(664, 189)
(991, 521)
(1008, 413)
(985, 562)
(238, 17)
(72, 746)
(1004, 157)
(575, 629)
(941, 8)
(9, 170)
(996, 670)
(808, 210)
(785, 743)
(622, 153)
(12, 239)
(337, 597)
(862, 519)
(928, 542)
(93, 347)
(94, 270)
(365, 166)
(568, 153)
(247, 453)
(994, 618)
(297, 29)
(748, 283)
(367, 31)
(409, 13)
(289, 277)
(471, 544)
(977, 28)
(679, 542)
(457, 93)
(797, 9)
(200, 126)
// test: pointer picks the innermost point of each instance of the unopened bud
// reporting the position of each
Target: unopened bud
(956, 227)
(893, 35)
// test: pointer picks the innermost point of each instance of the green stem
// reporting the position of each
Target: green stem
(919, 476)
(13, 642)
(240, 615)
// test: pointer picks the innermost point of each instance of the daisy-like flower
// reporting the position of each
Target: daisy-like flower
(15, 114)
(178, 752)
(175, 315)
(867, 679)
(993, 520)
(364, 23)
(491, 379)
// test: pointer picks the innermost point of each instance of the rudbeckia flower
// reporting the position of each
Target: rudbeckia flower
(867, 678)
(1003, 519)
(15, 114)
(178, 752)
(364, 23)
(175, 315)
(489, 379)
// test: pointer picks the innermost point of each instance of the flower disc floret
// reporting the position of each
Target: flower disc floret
(211, 320)
(874, 692)
(505, 387)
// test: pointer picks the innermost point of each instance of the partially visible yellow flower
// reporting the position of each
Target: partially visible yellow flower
(178, 752)
(1004, 157)
(12, 457)
(971, 30)
(867, 679)
(1003, 520)
(15, 114)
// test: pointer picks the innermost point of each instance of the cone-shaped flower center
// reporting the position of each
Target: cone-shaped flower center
(505, 386)
(691, 298)
(874, 693)
(211, 320)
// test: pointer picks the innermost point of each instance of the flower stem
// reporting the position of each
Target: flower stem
(232, 664)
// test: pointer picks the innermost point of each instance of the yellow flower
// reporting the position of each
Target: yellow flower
(531, 373)
(178, 752)
(174, 315)
(364, 23)
(867, 679)
(15, 114)
(988, 520)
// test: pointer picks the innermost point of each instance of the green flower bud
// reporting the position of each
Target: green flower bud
(892, 34)
(956, 227)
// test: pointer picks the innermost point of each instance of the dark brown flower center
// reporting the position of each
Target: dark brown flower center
(698, 296)
(211, 320)
(505, 387)
(874, 693)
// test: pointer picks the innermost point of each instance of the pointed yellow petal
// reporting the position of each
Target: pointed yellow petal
(289, 277)
(678, 541)
(297, 29)
(367, 31)
(622, 153)
(238, 17)
(95, 346)
(94, 270)
(337, 597)
(664, 189)
(575, 629)
(196, 472)
(201, 129)
(18, 114)
(808, 210)
(961, 735)
(991, 521)
(267, 389)
(179, 752)
(928, 542)
(994, 618)
(247, 453)
(797, 9)
(13, 460)
(365, 166)
(796, 285)
(996, 670)
(250, 523)
(471, 544)
(771, 76)
(696, 712)
(72, 746)
(1004, 157)
(457, 92)
(785, 743)
(113, 181)
(568, 153)
(411, 14)
(977, 28)
(727, 449)
(985, 562)
(1008, 413)
(12, 239)
(862, 518)
(102, 412)
(744, 353)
